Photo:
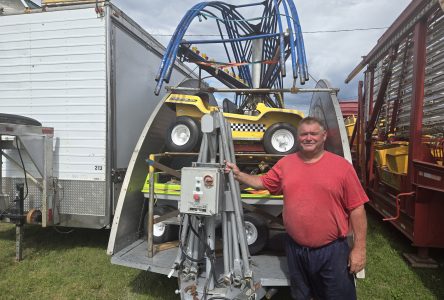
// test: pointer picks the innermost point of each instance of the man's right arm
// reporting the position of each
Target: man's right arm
(253, 181)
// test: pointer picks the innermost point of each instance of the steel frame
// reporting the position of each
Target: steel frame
(418, 214)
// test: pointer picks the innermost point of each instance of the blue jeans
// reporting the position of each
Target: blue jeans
(320, 273)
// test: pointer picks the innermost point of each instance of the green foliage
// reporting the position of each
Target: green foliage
(75, 266)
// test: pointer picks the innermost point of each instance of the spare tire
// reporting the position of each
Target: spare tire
(280, 138)
(183, 135)
(256, 230)
(162, 232)
(19, 120)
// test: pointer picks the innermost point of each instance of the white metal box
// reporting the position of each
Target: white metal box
(201, 189)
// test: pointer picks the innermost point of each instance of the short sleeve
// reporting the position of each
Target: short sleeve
(354, 194)
(272, 180)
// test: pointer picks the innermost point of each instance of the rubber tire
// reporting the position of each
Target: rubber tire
(194, 135)
(268, 146)
(262, 229)
(19, 120)
(171, 232)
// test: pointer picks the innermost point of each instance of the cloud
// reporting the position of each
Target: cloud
(331, 56)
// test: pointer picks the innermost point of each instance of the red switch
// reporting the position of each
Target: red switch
(196, 197)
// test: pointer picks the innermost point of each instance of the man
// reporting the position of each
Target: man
(322, 196)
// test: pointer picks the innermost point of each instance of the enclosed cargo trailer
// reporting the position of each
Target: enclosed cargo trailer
(86, 71)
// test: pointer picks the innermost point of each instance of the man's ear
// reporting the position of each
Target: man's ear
(325, 135)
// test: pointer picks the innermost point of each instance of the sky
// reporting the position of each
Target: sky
(330, 55)
(333, 35)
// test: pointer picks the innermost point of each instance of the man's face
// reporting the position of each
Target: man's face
(311, 137)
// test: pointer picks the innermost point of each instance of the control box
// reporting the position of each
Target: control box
(201, 190)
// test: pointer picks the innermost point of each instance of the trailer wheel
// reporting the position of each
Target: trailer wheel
(19, 120)
(162, 232)
(183, 135)
(256, 230)
(280, 138)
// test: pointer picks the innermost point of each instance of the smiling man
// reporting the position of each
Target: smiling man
(322, 197)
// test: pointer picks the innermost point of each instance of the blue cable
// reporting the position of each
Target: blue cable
(240, 34)
(292, 46)
(281, 38)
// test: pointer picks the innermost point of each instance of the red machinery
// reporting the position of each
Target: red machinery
(400, 130)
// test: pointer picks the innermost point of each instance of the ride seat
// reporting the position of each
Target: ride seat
(229, 107)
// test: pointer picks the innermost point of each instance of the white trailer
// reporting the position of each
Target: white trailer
(86, 71)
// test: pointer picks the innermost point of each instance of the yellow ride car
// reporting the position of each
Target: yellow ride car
(275, 128)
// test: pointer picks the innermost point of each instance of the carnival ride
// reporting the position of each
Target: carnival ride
(252, 66)
(252, 70)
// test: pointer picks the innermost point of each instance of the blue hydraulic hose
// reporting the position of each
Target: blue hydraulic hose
(228, 14)
(299, 46)
(216, 4)
(169, 57)
(281, 38)
(240, 34)
(189, 17)
(292, 46)
(300, 40)
(240, 39)
(166, 56)
(170, 54)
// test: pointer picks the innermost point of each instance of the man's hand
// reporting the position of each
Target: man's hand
(358, 221)
(357, 259)
(250, 180)
(232, 167)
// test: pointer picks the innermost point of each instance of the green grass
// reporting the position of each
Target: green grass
(388, 274)
(75, 266)
(71, 266)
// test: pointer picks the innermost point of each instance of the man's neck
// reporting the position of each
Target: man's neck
(311, 157)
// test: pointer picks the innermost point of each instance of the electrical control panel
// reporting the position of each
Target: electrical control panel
(201, 190)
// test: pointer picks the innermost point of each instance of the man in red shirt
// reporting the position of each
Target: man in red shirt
(322, 196)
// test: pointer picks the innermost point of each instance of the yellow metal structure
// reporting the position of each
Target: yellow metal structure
(392, 163)
(350, 125)
(173, 189)
(391, 179)
(397, 160)
(384, 150)
(244, 127)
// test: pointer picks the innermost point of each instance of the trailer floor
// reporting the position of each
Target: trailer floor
(271, 270)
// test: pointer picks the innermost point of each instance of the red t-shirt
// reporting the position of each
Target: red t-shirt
(318, 197)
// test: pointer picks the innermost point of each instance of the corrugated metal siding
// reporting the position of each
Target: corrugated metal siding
(53, 69)
(400, 85)
(433, 118)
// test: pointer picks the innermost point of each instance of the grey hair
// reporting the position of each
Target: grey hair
(312, 120)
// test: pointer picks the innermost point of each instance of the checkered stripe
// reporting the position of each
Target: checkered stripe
(248, 127)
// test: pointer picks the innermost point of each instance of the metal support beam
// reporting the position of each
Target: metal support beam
(18, 242)
(19, 220)
(150, 212)
(360, 149)
(399, 91)
(416, 111)
(381, 93)
(371, 93)
(293, 90)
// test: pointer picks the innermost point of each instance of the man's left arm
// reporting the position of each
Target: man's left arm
(358, 221)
